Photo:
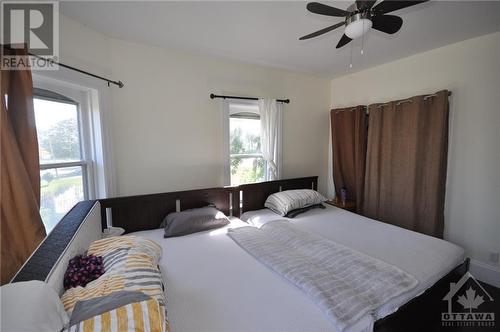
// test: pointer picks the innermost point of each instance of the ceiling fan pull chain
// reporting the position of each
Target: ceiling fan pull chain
(350, 60)
(363, 39)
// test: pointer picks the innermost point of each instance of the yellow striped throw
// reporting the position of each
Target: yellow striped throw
(131, 264)
(143, 316)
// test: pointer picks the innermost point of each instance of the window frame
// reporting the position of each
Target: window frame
(246, 109)
(71, 96)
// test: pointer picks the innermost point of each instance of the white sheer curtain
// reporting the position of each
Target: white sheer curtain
(271, 115)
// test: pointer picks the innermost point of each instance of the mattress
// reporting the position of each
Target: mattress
(211, 284)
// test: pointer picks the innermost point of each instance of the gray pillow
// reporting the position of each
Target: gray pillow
(285, 201)
(193, 220)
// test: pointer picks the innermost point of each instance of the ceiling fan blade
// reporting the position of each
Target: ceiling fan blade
(388, 6)
(387, 23)
(344, 40)
(365, 4)
(322, 31)
(319, 8)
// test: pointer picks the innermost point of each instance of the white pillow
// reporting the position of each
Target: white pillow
(31, 306)
(285, 201)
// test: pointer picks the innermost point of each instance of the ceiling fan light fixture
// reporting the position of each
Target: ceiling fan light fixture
(357, 25)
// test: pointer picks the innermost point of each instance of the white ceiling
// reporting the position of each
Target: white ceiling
(267, 33)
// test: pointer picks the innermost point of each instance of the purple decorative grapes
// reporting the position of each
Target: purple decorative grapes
(82, 270)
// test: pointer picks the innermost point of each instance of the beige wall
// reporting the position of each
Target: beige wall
(167, 133)
(470, 69)
(83, 47)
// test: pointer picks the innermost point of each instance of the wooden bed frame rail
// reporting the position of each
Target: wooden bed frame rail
(143, 212)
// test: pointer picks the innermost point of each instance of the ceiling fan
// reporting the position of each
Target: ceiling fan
(360, 17)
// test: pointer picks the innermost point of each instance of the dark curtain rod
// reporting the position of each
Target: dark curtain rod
(119, 83)
(213, 96)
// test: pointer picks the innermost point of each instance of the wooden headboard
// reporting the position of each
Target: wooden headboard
(136, 213)
(142, 212)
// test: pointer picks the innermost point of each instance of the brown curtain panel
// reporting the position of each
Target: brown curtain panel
(349, 132)
(406, 163)
(21, 226)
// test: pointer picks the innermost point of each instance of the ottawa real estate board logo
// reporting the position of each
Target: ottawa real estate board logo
(30, 24)
(465, 299)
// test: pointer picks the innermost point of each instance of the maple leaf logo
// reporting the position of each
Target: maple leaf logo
(470, 300)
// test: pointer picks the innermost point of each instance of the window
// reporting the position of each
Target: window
(69, 119)
(246, 164)
(64, 175)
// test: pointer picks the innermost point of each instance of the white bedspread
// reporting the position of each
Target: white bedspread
(426, 258)
(344, 283)
(214, 285)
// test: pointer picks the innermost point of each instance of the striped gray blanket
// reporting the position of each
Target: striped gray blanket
(344, 283)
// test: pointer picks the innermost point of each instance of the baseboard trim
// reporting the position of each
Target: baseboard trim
(484, 272)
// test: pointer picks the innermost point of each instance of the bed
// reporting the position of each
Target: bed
(207, 271)
(214, 285)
